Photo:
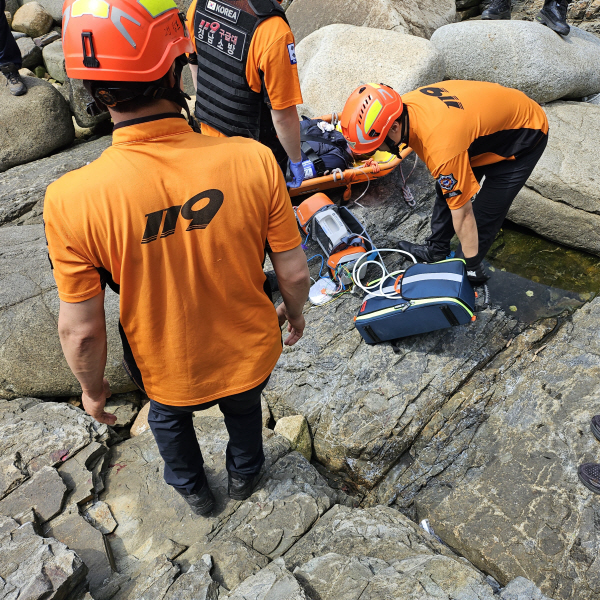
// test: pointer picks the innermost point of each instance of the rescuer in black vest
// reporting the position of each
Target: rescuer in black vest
(246, 75)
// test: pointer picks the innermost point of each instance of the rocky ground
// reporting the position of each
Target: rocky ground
(477, 429)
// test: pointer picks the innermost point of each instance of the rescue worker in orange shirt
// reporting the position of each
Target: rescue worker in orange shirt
(246, 73)
(480, 141)
(162, 218)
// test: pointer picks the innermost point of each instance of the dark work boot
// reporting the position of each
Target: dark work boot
(13, 80)
(589, 475)
(202, 502)
(497, 9)
(239, 487)
(422, 252)
(554, 15)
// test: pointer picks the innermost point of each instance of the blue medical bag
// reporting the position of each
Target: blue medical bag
(431, 296)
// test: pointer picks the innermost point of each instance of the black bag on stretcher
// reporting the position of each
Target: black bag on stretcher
(425, 298)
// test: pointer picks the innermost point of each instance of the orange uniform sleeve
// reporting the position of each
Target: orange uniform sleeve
(273, 51)
(190, 22)
(457, 180)
(282, 231)
(76, 277)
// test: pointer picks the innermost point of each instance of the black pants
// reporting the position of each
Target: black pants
(502, 183)
(9, 51)
(174, 433)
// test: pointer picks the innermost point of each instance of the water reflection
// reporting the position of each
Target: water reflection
(535, 278)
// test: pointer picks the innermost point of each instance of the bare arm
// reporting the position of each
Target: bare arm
(465, 226)
(287, 127)
(294, 283)
(82, 332)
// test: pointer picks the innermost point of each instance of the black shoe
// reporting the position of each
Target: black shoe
(422, 252)
(554, 15)
(201, 502)
(595, 427)
(272, 279)
(240, 488)
(589, 475)
(497, 10)
(13, 80)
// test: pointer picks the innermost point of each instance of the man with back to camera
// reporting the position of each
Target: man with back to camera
(480, 141)
(163, 218)
(553, 14)
(245, 69)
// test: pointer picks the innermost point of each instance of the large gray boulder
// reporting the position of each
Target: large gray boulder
(522, 55)
(415, 17)
(34, 125)
(35, 567)
(54, 60)
(562, 198)
(22, 188)
(31, 358)
(334, 60)
(272, 582)
(511, 501)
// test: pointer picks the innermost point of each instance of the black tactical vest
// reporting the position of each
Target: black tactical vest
(224, 100)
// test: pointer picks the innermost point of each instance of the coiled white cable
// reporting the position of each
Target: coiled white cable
(372, 289)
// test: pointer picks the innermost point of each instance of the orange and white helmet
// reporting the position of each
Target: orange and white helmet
(368, 116)
(122, 40)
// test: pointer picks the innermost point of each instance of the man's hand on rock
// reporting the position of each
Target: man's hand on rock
(296, 325)
(95, 401)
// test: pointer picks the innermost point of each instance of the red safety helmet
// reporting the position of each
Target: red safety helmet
(122, 40)
(368, 116)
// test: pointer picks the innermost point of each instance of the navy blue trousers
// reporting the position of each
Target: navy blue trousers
(503, 181)
(174, 433)
(9, 51)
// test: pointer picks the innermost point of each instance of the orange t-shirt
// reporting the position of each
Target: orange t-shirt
(458, 125)
(268, 53)
(183, 233)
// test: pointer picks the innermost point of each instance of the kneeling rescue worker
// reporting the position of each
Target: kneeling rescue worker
(480, 141)
(163, 218)
(246, 74)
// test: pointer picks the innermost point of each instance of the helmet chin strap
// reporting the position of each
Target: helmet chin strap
(111, 96)
(394, 147)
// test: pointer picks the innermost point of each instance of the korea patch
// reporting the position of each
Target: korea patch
(227, 12)
(292, 52)
(447, 182)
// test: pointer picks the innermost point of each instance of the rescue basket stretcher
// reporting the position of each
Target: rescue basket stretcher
(358, 174)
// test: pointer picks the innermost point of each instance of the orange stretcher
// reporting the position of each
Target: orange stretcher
(359, 173)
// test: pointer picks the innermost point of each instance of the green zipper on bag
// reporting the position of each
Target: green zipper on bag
(387, 311)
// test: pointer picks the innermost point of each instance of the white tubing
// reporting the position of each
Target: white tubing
(381, 265)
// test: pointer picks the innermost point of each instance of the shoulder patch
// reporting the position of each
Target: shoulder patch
(292, 52)
(447, 182)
